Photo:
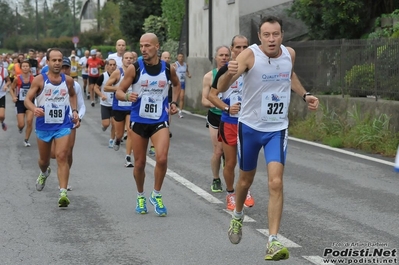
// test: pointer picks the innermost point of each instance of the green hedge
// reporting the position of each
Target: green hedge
(360, 80)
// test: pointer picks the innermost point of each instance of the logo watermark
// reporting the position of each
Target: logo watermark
(360, 253)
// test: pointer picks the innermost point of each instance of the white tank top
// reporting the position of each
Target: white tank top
(110, 95)
(54, 99)
(181, 71)
(266, 92)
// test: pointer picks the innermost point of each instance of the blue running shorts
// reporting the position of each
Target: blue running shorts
(250, 142)
(48, 136)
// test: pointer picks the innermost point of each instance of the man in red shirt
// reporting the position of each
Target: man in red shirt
(93, 66)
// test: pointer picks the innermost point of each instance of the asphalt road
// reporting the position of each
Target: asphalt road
(331, 198)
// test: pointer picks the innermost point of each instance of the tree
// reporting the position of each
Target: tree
(156, 25)
(109, 21)
(173, 11)
(61, 19)
(133, 13)
(6, 14)
(333, 19)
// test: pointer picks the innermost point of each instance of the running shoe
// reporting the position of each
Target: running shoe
(88, 96)
(93, 104)
(231, 201)
(63, 201)
(159, 207)
(103, 128)
(111, 143)
(276, 251)
(41, 180)
(235, 230)
(151, 152)
(249, 200)
(141, 206)
(181, 114)
(128, 162)
(26, 143)
(216, 185)
(4, 126)
(20, 131)
(117, 144)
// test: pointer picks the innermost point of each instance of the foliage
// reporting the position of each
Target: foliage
(172, 47)
(23, 43)
(61, 19)
(109, 22)
(173, 11)
(156, 25)
(354, 130)
(332, 19)
(6, 15)
(90, 38)
(133, 13)
(361, 77)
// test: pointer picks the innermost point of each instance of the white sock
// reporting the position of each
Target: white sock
(238, 215)
(272, 237)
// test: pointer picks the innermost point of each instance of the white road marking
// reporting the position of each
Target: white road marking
(285, 241)
(316, 260)
(191, 186)
(247, 219)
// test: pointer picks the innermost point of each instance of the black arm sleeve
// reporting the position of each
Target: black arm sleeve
(221, 71)
(137, 67)
(100, 80)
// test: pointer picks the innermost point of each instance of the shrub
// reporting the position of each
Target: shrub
(360, 80)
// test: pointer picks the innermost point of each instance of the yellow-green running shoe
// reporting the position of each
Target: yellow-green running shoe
(41, 180)
(235, 230)
(63, 201)
(276, 251)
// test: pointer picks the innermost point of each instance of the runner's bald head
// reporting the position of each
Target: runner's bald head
(151, 37)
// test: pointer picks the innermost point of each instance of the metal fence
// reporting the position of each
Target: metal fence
(359, 68)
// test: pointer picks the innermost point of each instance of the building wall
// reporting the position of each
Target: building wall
(225, 26)
(225, 22)
(198, 29)
(88, 24)
(247, 7)
(88, 13)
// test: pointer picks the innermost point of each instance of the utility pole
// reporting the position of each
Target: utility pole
(74, 19)
(98, 15)
(45, 9)
(37, 22)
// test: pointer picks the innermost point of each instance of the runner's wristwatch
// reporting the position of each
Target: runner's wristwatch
(306, 94)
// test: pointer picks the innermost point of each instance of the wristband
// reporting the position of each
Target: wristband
(174, 102)
(306, 94)
(75, 110)
(127, 96)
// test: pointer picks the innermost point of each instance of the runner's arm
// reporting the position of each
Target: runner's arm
(80, 100)
(35, 89)
(214, 92)
(13, 91)
(236, 68)
(113, 79)
(97, 85)
(174, 79)
(206, 85)
(296, 86)
(127, 81)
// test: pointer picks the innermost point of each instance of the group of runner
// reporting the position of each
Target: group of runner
(248, 98)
